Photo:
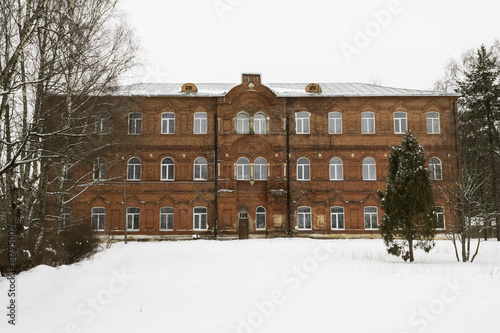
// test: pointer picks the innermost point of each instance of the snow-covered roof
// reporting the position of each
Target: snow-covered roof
(280, 89)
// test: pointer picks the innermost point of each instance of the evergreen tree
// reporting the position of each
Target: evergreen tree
(409, 220)
(479, 117)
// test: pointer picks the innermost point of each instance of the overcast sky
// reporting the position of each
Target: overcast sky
(401, 43)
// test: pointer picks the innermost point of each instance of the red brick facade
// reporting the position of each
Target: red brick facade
(288, 195)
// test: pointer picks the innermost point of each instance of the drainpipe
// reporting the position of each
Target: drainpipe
(288, 199)
(216, 174)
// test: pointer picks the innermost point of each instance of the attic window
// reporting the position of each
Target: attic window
(189, 87)
(313, 88)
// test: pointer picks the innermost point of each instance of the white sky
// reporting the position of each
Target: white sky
(303, 40)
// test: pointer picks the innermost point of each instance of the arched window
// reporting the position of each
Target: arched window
(260, 169)
(302, 122)
(166, 218)
(303, 169)
(133, 217)
(336, 169)
(200, 169)
(367, 123)
(135, 123)
(200, 123)
(168, 123)
(167, 169)
(100, 168)
(98, 218)
(304, 218)
(260, 218)
(134, 169)
(369, 171)
(243, 169)
(260, 123)
(435, 169)
(335, 123)
(242, 123)
(400, 123)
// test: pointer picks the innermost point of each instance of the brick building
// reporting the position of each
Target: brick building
(256, 160)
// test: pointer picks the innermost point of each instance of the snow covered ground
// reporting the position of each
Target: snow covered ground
(277, 285)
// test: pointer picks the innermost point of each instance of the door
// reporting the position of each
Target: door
(243, 224)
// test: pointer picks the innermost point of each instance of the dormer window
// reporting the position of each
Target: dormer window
(189, 87)
(313, 88)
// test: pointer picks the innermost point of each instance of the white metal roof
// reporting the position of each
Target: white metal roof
(280, 89)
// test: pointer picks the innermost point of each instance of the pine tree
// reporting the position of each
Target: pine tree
(409, 220)
(480, 102)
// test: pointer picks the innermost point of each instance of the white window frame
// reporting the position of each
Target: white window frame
(101, 123)
(136, 129)
(166, 218)
(200, 168)
(336, 169)
(100, 168)
(200, 217)
(133, 169)
(243, 169)
(433, 123)
(133, 218)
(400, 122)
(168, 123)
(259, 123)
(98, 218)
(372, 217)
(260, 169)
(440, 215)
(304, 214)
(367, 122)
(369, 169)
(302, 122)
(66, 217)
(262, 215)
(303, 169)
(435, 173)
(165, 169)
(242, 123)
(200, 123)
(335, 123)
(337, 217)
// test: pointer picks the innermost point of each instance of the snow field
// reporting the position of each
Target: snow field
(275, 285)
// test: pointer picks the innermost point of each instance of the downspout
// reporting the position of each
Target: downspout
(288, 199)
(216, 173)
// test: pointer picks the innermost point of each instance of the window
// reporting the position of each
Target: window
(304, 218)
(439, 211)
(369, 169)
(200, 218)
(243, 215)
(335, 123)
(303, 169)
(133, 216)
(66, 217)
(98, 218)
(259, 124)
(167, 169)
(168, 123)
(68, 171)
(260, 169)
(260, 218)
(336, 172)
(200, 123)
(433, 123)
(242, 123)
(167, 218)
(100, 168)
(337, 217)
(435, 170)
(134, 169)
(302, 122)
(400, 123)
(243, 169)
(200, 169)
(101, 123)
(367, 123)
(371, 217)
(135, 123)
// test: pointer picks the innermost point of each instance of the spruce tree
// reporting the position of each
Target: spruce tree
(409, 220)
